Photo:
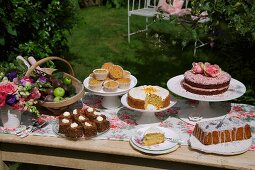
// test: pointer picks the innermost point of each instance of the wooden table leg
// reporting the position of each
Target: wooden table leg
(3, 166)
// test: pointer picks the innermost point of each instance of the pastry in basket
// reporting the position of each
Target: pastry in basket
(90, 129)
(64, 123)
(102, 124)
(74, 131)
(153, 136)
(221, 131)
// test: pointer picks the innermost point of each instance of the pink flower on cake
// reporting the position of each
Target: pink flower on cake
(212, 70)
(198, 68)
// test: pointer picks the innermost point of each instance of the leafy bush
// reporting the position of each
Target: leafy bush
(34, 27)
(227, 38)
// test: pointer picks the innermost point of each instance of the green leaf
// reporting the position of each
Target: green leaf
(11, 30)
(58, 75)
(2, 41)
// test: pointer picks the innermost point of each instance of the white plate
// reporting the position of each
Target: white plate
(228, 148)
(125, 103)
(104, 93)
(154, 152)
(165, 147)
(235, 90)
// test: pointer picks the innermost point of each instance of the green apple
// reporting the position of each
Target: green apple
(57, 99)
(67, 81)
(59, 92)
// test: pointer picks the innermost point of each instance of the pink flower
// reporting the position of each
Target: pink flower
(3, 96)
(189, 131)
(113, 126)
(212, 70)
(35, 94)
(252, 148)
(26, 81)
(237, 108)
(20, 105)
(8, 87)
(197, 68)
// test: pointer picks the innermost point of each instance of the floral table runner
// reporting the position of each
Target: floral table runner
(124, 121)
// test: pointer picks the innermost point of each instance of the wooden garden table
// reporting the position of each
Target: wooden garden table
(108, 154)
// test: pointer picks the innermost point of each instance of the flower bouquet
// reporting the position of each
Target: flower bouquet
(19, 93)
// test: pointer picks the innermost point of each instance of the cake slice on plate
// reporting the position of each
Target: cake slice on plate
(153, 136)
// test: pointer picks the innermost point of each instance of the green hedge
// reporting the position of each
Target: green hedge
(35, 27)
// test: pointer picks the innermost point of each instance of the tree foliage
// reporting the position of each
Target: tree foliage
(34, 27)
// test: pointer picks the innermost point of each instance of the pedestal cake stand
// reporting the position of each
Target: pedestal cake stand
(110, 100)
(147, 116)
(205, 110)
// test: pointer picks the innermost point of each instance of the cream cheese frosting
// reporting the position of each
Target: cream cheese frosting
(141, 92)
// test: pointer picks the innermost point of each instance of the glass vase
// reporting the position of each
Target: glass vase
(10, 117)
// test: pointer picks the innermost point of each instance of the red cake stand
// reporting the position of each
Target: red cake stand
(209, 106)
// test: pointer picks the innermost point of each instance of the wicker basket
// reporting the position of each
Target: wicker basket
(58, 107)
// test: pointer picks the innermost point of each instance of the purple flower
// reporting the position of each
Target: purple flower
(11, 75)
(42, 79)
(26, 81)
(11, 99)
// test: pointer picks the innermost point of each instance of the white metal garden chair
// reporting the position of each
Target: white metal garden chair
(144, 8)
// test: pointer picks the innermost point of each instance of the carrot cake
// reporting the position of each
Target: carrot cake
(148, 97)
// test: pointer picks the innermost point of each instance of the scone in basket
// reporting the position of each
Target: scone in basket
(58, 107)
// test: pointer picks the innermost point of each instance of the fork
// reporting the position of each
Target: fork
(178, 141)
(18, 132)
(32, 128)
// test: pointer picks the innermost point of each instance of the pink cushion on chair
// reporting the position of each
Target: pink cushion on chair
(175, 9)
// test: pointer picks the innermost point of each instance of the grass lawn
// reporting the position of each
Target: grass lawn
(101, 36)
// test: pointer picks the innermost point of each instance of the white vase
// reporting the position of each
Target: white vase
(10, 117)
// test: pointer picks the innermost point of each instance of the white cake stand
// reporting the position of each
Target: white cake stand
(205, 110)
(110, 99)
(147, 116)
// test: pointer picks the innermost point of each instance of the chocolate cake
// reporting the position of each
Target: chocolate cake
(74, 131)
(102, 124)
(64, 124)
(90, 129)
